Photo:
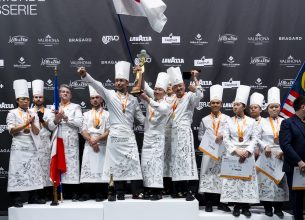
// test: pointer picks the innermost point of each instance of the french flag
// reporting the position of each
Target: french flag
(152, 9)
(297, 89)
(58, 160)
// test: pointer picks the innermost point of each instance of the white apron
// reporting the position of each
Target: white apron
(24, 172)
(44, 148)
(93, 162)
(183, 154)
(122, 156)
(210, 180)
(237, 190)
(167, 151)
(152, 159)
(268, 190)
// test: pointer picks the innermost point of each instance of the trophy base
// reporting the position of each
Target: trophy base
(136, 92)
(54, 203)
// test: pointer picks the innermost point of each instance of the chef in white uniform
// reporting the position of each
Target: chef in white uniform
(211, 128)
(95, 131)
(45, 116)
(240, 139)
(255, 107)
(157, 112)
(24, 172)
(183, 161)
(70, 118)
(122, 155)
(272, 194)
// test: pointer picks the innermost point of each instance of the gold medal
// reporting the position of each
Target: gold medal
(173, 115)
(276, 140)
(26, 130)
(240, 139)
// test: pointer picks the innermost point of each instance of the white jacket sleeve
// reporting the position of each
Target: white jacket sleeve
(98, 86)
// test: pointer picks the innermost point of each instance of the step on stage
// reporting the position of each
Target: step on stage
(129, 209)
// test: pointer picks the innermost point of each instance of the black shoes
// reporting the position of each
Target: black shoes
(269, 212)
(18, 203)
(138, 196)
(224, 207)
(236, 212)
(279, 213)
(208, 208)
(99, 197)
(246, 212)
(75, 197)
(121, 196)
(189, 196)
(155, 197)
(84, 197)
(177, 195)
(36, 200)
(111, 198)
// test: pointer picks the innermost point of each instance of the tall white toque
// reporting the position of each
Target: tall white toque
(216, 92)
(242, 94)
(37, 87)
(92, 91)
(274, 96)
(257, 99)
(21, 88)
(175, 75)
(122, 70)
(162, 81)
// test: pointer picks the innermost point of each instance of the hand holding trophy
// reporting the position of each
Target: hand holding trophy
(138, 71)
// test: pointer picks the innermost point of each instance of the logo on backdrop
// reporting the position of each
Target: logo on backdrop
(285, 83)
(290, 38)
(4, 107)
(205, 62)
(1, 63)
(111, 62)
(18, 40)
(48, 85)
(198, 40)
(50, 62)
(83, 105)
(1, 86)
(290, 62)
(48, 41)
(3, 128)
(80, 40)
(202, 105)
(140, 39)
(110, 38)
(205, 84)
(171, 39)
(78, 84)
(260, 61)
(80, 62)
(5, 150)
(258, 84)
(230, 62)
(22, 64)
(3, 173)
(258, 39)
(231, 84)
(146, 60)
(172, 61)
(108, 83)
(227, 38)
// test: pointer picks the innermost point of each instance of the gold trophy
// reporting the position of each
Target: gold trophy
(138, 86)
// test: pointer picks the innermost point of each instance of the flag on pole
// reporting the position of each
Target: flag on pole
(58, 160)
(297, 89)
(152, 9)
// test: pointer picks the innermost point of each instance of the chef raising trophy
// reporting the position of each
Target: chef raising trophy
(138, 71)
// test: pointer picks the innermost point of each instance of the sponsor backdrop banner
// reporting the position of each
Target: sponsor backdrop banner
(258, 43)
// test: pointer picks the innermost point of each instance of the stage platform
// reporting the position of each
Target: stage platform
(129, 209)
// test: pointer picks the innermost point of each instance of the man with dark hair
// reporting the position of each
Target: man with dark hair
(292, 142)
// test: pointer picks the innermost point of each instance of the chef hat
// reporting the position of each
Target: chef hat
(216, 92)
(274, 96)
(257, 99)
(122, 69)
(162, 81)
(21, 88)
(175, 75)
(242, 94)
(92, 91)
(37, 87)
